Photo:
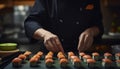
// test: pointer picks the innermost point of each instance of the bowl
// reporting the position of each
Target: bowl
(8, 46)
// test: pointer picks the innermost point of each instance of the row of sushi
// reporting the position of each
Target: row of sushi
(16, 62)
(88, 59)
(96, 56)
(107, 60)
(63, 60)
(34, 60)
(49, 59)
(76, 61)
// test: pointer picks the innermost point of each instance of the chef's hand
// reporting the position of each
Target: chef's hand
(51, 41)
(86, 38)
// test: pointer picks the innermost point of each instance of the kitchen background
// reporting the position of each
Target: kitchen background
(13, 13)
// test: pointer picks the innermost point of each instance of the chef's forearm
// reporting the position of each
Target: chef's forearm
(40, 34)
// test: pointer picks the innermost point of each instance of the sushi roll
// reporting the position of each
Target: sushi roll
(16, 62)
(27, 54)
(95, 56)
(117, 56)
(76, 62)
(118, 63)
(107, 55)
(81, 54)
(23, 57)
(85, 57)
(91, 62)
(63, 62)
(106, 62)
(70, 54)
(33, 62)
(49, 62)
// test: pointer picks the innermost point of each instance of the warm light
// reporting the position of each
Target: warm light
(106, 2)
(21, 7)
(2, 6)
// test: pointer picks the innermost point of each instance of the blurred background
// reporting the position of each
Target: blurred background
(14, 12)
(12, 16)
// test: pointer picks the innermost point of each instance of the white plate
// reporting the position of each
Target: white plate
(114, 34)
(6, 53)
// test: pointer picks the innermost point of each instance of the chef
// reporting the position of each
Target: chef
(65, 25)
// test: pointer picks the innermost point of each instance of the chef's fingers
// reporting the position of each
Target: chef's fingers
(47, 47)
(54, 44)
(59, 45)
(86, 42)
(89, 43)
(51, 46)
(81, 43)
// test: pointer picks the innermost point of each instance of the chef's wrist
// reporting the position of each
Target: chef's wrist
(40, 34)
(93, 31)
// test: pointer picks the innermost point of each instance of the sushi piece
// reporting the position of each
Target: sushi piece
(59, 53)
(117, 56)
(48, 57)
(85, 57)
(81, 54)
(106, 62)
(50, 53)
(16, 62)
(95, 56)
(33, 62)
(74, 57)
(49, 62)
(118, 63)
(23, 57)
(70, 54)
(63, 62)
(61, 57)
(76, 62)
(27, 54)
(40, 53)
(91, 62)
(107, 55)
(36, 56)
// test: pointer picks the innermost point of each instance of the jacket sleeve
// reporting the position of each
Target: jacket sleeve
(35, 19)
(97, 20)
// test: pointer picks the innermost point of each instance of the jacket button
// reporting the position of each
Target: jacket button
(62, 40)
(61, 20)
(81, 9)
(77, 22)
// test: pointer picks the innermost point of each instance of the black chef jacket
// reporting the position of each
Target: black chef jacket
(65, 18)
